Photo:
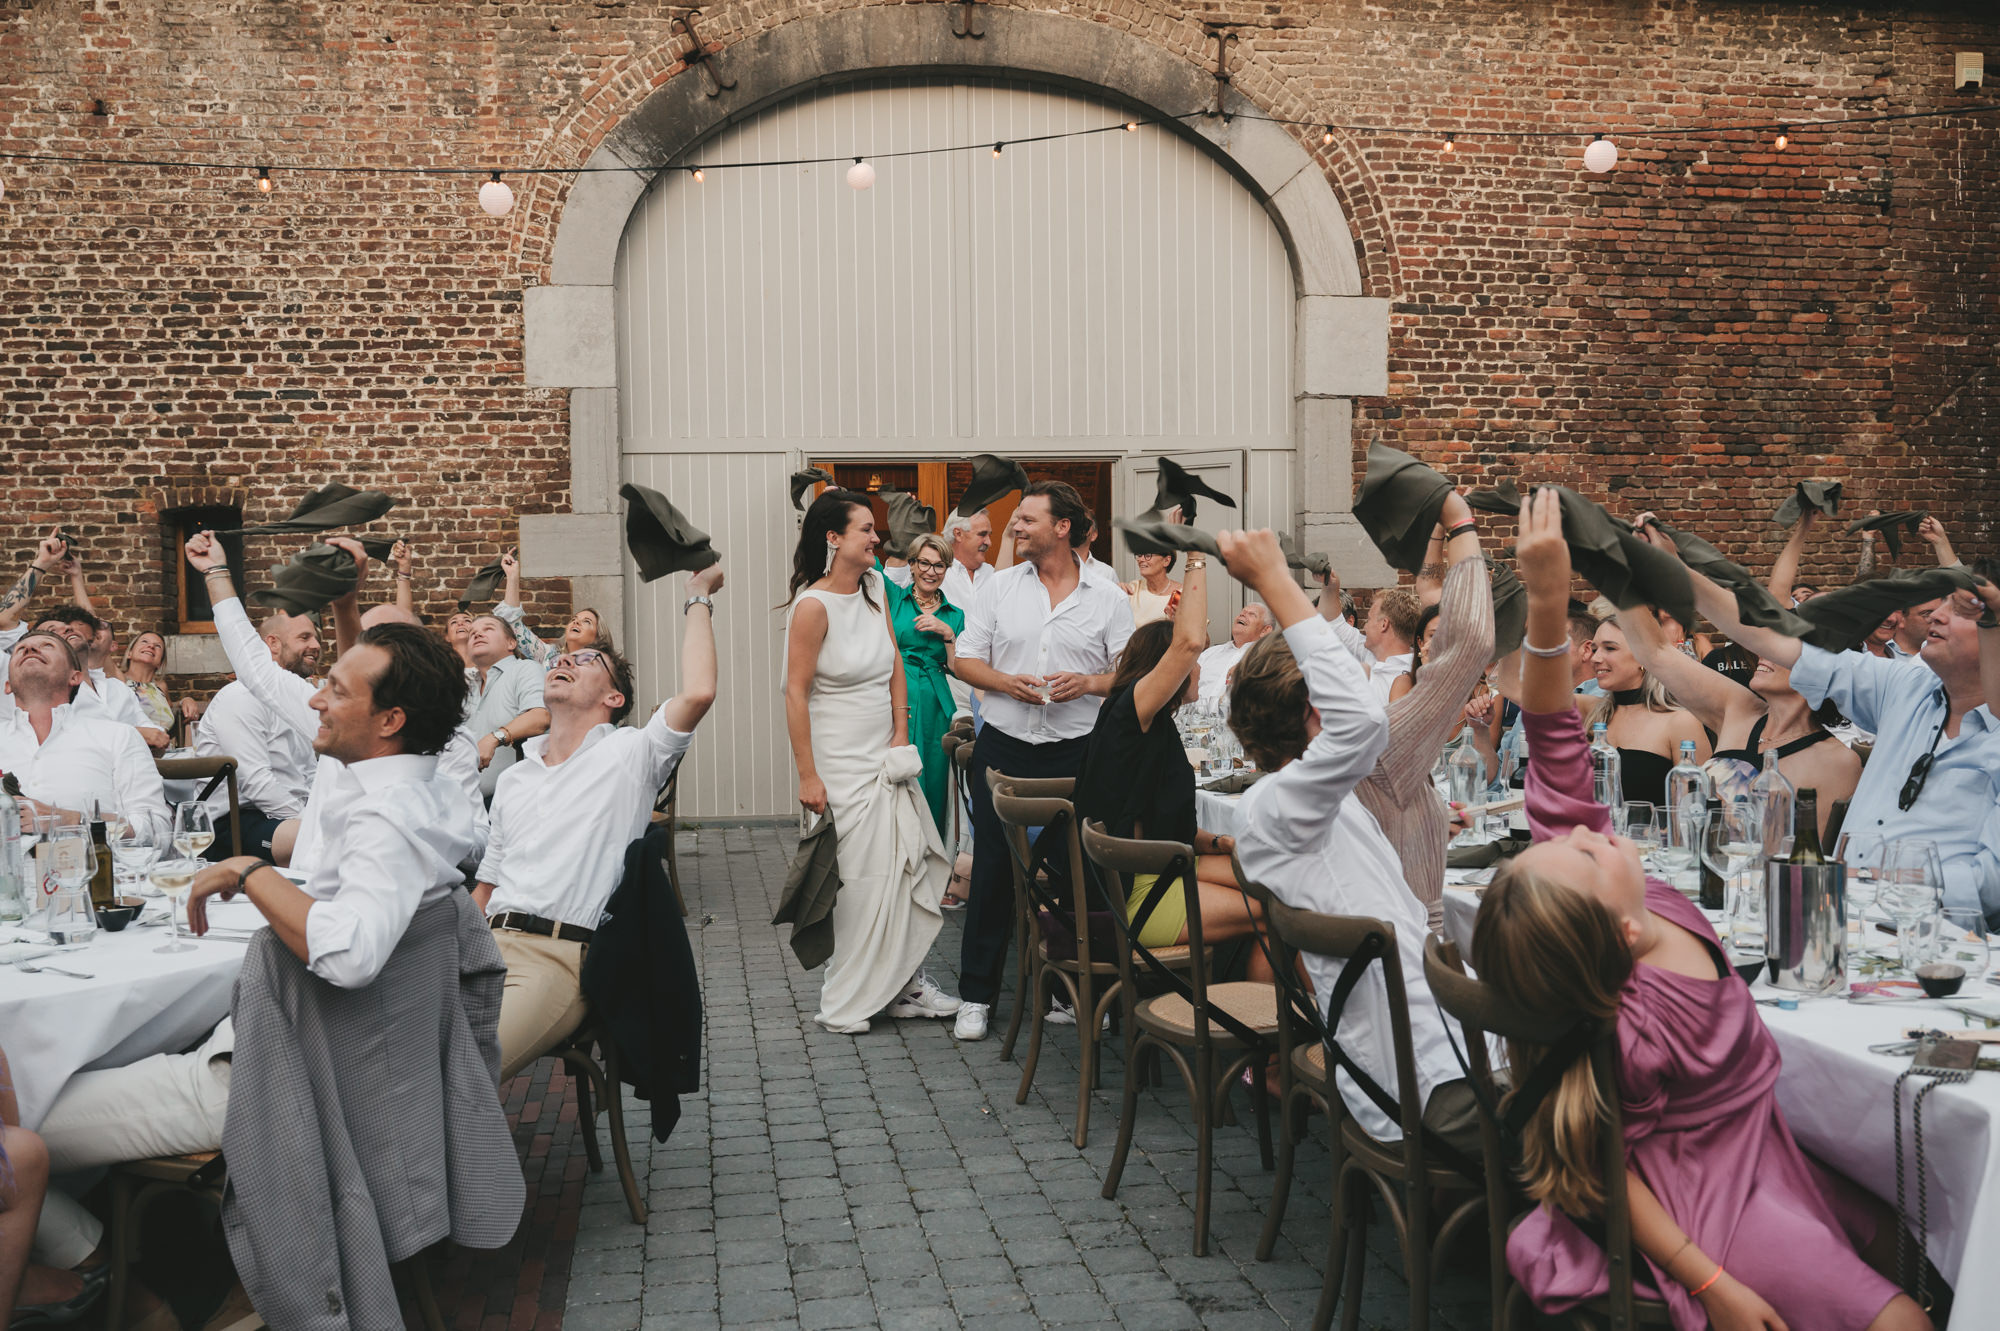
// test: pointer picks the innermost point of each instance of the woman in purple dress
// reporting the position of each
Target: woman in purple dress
(1737, 1228)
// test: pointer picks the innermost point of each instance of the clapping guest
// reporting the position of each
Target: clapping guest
(71, 758)
(274, 760)
(563, 816)
(505, 705)
(585, 627)
(1736, 1227)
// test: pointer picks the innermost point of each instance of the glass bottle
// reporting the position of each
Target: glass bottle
(1714, 891)
(102, 888)
(1465, 769)
(1687, 801)
(1607, 778)
(13, 898)
(1773, 797)
(1805, 833)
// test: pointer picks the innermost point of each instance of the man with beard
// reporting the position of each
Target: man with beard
(274, 762)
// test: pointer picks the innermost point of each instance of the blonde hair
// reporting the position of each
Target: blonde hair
(1555, 951)
(933, 542)
(1653, 694)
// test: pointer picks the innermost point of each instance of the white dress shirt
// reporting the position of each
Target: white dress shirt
(86, 757)
(1381, 673)
(289, 700)
(1317, 849)
(559, 832)
(396, 831)
(120, 703)
(274, 760)
(512, 686)
(1015, 630)
(100, 696)
(1215, 664)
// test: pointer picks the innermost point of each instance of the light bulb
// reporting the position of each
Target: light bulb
(496, 197)
(698, 174)
(1601, 155)
(860, 175)
(1131, 127)
(1450, 141)
(997, 147)
(264, 181)
(1783, 139)
(1327, 138)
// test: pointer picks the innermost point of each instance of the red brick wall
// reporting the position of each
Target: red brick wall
(1683, 334)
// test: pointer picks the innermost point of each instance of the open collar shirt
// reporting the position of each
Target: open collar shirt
(560, 830)
(1315, 847)
(101, 696)
(1215, 664)
(1905, 707)
(1015, 630)
(511, 687)
(85, 758)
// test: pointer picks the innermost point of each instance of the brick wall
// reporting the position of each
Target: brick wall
(1684, 334)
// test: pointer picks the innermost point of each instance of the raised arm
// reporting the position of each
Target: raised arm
(79, 588)
(48, 557)
(1719, 605)
(347, 609)
(1558, 784)
(1864, 567)
(1160, 687)
(1424, 718)
(684, 711)
(1712, 696)
(508, 611)
(1785, 569)
(274, 686)
(406, 596)
(1933, 531)
(1430, 575)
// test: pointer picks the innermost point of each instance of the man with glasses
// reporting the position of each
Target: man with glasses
(1936, 761)
(563, 816)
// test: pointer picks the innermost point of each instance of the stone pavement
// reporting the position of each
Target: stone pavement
(889, 1180)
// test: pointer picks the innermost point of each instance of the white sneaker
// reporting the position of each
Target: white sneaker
(923, 999)
(1059, 1014)
(972, 1021)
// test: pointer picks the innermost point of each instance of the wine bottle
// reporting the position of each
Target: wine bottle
(102, 889)
(1805, 833)
(1714, 892)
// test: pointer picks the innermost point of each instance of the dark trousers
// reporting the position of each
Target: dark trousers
(989, 915)
(258, 829)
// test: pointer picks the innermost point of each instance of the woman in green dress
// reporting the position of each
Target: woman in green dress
(926, 627)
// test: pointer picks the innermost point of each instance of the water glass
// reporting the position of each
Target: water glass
(1640, 822)
(1919, 938)
(132, 854)
(1912, 879)
(1964, 943)
(1861, 853)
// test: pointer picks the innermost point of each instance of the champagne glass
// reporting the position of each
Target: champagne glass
(173, 878)
(194, 831)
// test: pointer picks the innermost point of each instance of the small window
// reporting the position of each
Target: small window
(196, 615)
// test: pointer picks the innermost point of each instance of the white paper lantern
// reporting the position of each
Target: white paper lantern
(860, 175)
(1601, 155)
(496, 197)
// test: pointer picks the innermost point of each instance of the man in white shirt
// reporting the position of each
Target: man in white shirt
(970, 570)
(505, 705)
(1307, 713)
(274, 756)
(564, 815)
(91, 636)
(70, 758)
(1252, 622)
(1386, 642)
(1041, 645)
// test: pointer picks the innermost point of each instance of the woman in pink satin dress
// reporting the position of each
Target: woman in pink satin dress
(1738, 1229)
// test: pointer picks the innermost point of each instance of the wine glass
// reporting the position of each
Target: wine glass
(1640, 822)
(1861, 853)
(194, 831)
(132, 854)
(1733, 846)
(1912, 879)
(173, 878)
(1964, 943)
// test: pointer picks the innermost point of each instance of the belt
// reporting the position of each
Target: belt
(522, 923)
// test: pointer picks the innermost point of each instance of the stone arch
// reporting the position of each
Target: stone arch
(1341, 341)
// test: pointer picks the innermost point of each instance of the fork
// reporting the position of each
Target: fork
(29, 968)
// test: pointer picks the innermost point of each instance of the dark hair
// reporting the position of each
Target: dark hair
(621, 679)
(1065, 505)
(1430, 612)
(1582, 624)
(1171, 556)
(1267, 703)
(1146, 648)
(830, 515)
(424, 677)
(72, 614)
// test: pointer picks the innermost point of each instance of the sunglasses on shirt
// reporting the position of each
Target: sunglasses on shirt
(1920, 770)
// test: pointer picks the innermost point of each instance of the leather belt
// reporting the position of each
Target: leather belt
(522, 923)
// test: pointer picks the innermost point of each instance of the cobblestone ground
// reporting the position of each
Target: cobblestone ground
(889, 1180)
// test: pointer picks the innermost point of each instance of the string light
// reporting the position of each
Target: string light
(1132, 127)
(1601, 155)
(1783, 139)
(861, 176)
(1451, 141)
(264, 181)
(997, 147)
(1326, 139)
(496, 197)
(698, 174)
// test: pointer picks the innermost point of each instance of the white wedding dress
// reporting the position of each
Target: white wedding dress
(893, 869)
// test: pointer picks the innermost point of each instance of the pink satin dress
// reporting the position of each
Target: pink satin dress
(1702, 1127)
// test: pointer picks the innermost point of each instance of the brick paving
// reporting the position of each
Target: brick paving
(889, 1180)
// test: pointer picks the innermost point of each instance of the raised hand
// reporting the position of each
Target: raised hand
(1541, 553)
(203, 551)
(707, 581)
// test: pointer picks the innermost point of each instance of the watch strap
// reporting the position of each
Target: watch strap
(244, 877)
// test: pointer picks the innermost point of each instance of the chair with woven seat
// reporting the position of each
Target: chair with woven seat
(1482, 1012)
(1211, 1031)
(597, 1075)
(1407, 1174)
(136, 1184)
(216, 772)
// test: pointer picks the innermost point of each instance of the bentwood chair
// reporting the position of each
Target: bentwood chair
(1027, 953)
(597, 1075)
(216, 772)
(1211, 1031)
(1481, 1012)
(1410, 1175)
(667, 809)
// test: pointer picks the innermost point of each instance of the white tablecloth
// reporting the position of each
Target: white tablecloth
(1836, 1097)
(139, 1003)
(1215, 813)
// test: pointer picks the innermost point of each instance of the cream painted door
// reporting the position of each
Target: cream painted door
(1116, 296)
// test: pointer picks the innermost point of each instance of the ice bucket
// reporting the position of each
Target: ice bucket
(1805, 936)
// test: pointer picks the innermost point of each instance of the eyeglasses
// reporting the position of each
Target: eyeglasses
(1920, 771)
(583, 658)
(929, 566)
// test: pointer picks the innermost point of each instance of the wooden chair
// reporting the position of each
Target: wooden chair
(599, 1077)
(214, 771)
(137, 1184)
(1481, 1012)
(666, 809)
(1027, 953)
(1225, 1028)
(1407, 1174)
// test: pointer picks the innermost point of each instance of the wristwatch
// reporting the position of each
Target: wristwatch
(502, 735)
(693, 601)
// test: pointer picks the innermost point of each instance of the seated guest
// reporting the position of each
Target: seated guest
(274, 759)
(142, 664)
(458, 636)
(1937, 745)
(1252, 622)
(364, 1121)
(1736, 1226)
(67, 758)
(1427, 624)
(24, 1178)
(584, 629)
(564, 814)
(1387, 639)
(1766, 716)
(1136, 780)
(101, 695)
(1307, 714)
(505, 704)
(1640, 720)
(1155, 595)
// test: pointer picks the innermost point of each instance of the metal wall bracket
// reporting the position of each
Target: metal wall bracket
(1224, 39)
(966, 20)
(700, 57)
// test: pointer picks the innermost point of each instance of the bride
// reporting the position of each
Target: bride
(847, 711)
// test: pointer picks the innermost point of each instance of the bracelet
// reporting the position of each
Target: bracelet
(1677, 1252)
(244, 877)
(1196, 563)
(1467, 525)
(1546, 653)
(1698, 1290)
(403, 576)
(694, 601)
